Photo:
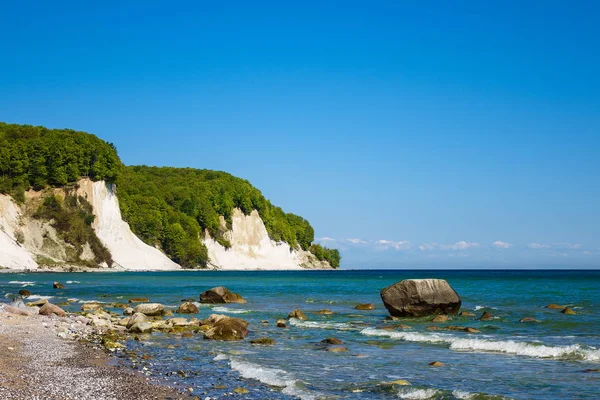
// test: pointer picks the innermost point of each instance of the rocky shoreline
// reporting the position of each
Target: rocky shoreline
(52, 357)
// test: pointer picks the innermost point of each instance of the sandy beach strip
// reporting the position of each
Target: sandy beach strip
(36, 363)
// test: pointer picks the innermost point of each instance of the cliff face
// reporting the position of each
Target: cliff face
(252, 249)
(30, 242)
(127, 250)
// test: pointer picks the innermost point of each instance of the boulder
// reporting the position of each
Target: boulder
(365, 307)
(466, 314)
(440, 318)
(468, 329)
(455, 328)
(187, 308)
(139, 300)
(16, 310)
(298, 315)
(281, 323)
(265, 341)
(141, 327)
(554, 307)
(128, 311)
(150, 309)
(227, 329)
(568, 311)
(37, 303)
(135, 318)
(57, 285)
(178, 322)
(332, 340)
(486, 316)
(220, 295)
(420, 297)
(436, 364)
(91, 306)
(49, 309)
(24, 292)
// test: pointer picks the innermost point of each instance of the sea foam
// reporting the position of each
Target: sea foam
(228, 310)
(23, 283)
(416, 394)
(340, 326)
(269, 376)
(574, 351)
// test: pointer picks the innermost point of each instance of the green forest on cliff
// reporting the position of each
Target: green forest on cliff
(165, 207)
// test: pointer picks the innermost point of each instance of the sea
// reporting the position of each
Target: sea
(555, 358)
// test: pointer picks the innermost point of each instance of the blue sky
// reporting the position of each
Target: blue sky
(438, 134)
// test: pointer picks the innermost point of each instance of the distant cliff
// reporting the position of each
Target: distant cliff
(59, 209)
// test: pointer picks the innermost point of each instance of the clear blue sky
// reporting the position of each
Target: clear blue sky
(439, 128)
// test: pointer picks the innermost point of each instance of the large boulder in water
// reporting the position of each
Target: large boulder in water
(419, 297)
(220, 295)
(226, 328)
(150, 309)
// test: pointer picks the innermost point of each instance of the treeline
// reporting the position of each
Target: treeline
(324, 254)
(173, 207)
(37, 157)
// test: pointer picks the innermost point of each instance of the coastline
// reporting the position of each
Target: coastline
(37, 363)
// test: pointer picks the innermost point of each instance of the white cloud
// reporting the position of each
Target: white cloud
(559, 246)
(462, 245)
(326, 239)
(357, 241)
(501, 245)
(538, 246)
(401, 245)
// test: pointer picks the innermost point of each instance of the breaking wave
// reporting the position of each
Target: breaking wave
(574, 351)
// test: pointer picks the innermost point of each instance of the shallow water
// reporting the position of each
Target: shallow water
(508, 359)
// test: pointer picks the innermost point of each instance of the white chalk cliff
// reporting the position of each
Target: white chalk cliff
(29, 243)
(252, 249)
(127, 250)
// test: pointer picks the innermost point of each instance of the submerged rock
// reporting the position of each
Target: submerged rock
(466, 314)
(436, 364)
(420, 297)
(400, 382)
(332, 340)
(57, 285)
(554, 307)
(150, 309)
(324, 312)
(281, 323)
(220, 295)
(364, 307)
(528, 319)
(49, 309)
(187, 308)
(468, 329)
(337, 349)
(568, 311)
(265, 341)
(440, 318)
(486, 316)
(298, 315)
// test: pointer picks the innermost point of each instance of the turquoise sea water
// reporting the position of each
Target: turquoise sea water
(546, 360)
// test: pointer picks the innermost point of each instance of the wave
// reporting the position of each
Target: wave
(39, 297)
(23, 283)
(477, 308)
(269, 376)
(230, 310)
(414, 393)
(71, 282)
(574, 351)
(340, 326)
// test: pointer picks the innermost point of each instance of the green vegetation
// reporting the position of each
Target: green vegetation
(37, 157)
(166, 207)
(173, 206)
(72, 217)
(323, 253)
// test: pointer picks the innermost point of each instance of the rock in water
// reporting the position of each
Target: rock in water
(486, 316)
(141, 327)
(554, 307)
(440, 318)
(332, 340)
(139, 300)
(49, 309)
(24, 292)
(57, 285)
(187, 308)
(150, 309)
(419, 297)
(365, 307)
(297, 314)
(220, 295)
(265, 341)
(568, 311)
(227, 329)
(136, 318)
